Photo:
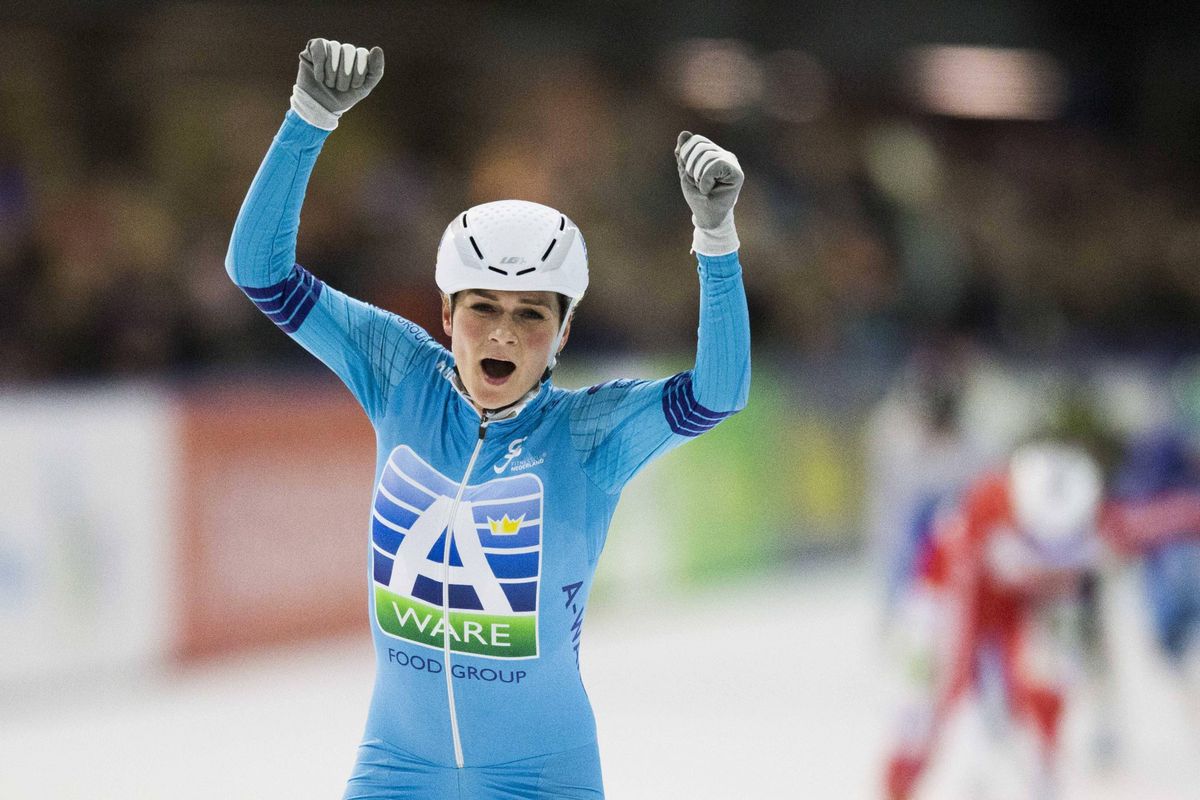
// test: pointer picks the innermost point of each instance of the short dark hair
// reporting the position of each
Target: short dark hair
(564, 303)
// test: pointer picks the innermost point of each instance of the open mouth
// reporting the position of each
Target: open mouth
(497, 369)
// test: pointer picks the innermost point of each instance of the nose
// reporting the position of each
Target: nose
(502, 332)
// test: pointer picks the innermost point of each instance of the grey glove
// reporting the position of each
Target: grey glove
(711, 178)
(332, 78)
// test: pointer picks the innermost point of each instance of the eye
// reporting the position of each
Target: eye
(482, 307)
(533, 314)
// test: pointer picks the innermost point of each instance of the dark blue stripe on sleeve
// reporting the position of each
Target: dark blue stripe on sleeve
(288, 302)
(685, 416)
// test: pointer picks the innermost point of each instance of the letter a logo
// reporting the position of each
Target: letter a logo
(495, 546)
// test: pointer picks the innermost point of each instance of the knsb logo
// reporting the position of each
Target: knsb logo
(514, 450)
(495, 559)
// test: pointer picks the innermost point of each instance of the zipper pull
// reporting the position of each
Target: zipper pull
(483, 423)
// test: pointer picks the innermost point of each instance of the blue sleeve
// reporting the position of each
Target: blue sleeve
(371, 350)
(619, 427)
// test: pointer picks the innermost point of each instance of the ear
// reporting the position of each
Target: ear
(566, 334)
(446, 315)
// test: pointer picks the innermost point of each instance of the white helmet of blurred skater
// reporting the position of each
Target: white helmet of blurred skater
(513, 245)
(1056, 491)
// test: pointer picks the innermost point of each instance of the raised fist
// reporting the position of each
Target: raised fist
(710, 176)
(334, 76)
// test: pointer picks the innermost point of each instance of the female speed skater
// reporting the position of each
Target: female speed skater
(493, 488)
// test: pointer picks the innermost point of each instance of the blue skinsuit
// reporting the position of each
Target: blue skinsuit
(527, 527)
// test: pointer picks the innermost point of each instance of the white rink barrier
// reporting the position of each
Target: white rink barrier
(85, 568)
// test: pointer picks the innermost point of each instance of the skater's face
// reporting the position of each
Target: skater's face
(501, 341)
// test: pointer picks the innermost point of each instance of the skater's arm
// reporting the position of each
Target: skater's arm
(619, 427)
(719, 384)
(1133, 526)
(368, 348)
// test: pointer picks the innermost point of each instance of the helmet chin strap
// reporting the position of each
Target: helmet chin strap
(552, 360)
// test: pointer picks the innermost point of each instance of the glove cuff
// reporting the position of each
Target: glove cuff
(718, 241)
(311, 111)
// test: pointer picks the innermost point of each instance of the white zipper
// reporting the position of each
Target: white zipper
(458, 752)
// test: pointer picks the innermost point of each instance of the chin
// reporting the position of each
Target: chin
(499, 396)
(491, 396)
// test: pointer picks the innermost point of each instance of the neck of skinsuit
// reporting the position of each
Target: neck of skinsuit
(503, 412)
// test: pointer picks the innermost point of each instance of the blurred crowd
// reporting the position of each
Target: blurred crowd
(868, 226)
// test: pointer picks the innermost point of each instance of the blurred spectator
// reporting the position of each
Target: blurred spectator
(873, 225)
(920, 456)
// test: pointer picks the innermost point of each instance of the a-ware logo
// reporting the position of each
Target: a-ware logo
(495, 559)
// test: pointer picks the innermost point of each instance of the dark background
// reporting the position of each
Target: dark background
(131, 132)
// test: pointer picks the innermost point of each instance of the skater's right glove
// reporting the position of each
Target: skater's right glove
(332, 78)
(711, 179)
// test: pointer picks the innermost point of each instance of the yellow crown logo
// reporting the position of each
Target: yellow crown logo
(505, 526)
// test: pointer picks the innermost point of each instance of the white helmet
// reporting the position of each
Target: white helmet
(1056, 491)
(513, 245)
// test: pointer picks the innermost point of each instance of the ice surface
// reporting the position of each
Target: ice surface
(769, 690)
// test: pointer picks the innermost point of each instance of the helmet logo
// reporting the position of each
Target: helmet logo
(512, 260)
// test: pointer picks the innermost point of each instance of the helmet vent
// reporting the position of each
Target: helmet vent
(546, 254)
(476, 248)
(464, 220)
(527, 270)
(562, 221)
(497, 269)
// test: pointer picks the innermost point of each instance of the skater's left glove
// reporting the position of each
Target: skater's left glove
(711, 179)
